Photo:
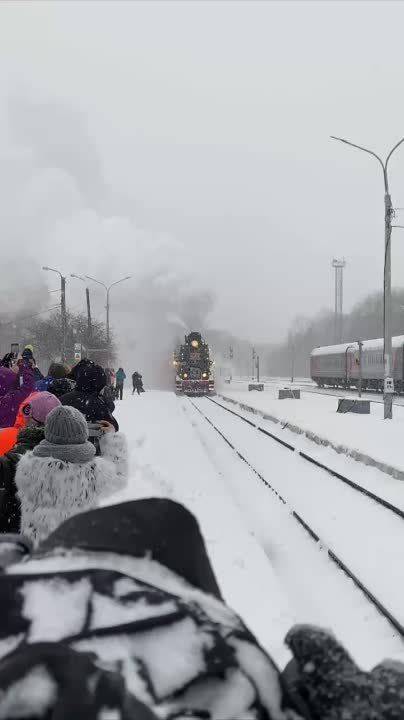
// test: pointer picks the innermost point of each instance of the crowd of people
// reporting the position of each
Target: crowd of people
(116, 381)
(60, 445)
(115, 611)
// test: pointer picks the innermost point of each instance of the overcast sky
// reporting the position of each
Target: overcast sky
(196, 135)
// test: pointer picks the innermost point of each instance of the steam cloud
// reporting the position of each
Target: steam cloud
(57, 210)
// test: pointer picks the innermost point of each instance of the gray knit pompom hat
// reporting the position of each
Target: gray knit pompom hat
(66, 426)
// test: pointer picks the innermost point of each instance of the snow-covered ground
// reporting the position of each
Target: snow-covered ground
(316, 413)
(268, 568)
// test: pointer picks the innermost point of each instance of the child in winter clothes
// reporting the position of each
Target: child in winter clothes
(35, 410)
(62, 476)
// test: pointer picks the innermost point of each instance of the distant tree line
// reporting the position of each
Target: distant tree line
(364, 322)
(44, 333)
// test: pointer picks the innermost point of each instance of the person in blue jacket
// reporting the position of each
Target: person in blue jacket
(119, 381)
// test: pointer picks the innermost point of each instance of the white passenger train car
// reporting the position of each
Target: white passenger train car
(338, 365)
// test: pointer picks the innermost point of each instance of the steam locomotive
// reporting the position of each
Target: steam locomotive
(193, 367)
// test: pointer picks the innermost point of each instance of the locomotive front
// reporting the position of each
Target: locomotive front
(193, 366)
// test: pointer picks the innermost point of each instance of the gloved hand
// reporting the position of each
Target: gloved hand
(13, 547)
(333, 687)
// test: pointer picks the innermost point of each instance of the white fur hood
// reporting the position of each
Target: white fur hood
(51, 490)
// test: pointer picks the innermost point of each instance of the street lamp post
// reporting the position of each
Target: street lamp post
(292, 366)
(62, 308)
(388, 389)
(231, 361)
(89, 325)
(107, 289)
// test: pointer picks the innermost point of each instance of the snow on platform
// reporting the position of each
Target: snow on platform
(367, 437)
(169, 460)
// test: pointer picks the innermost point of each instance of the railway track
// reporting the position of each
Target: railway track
(355, 486)
(308, 527)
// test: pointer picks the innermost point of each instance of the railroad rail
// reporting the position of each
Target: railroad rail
(396, 624)
(355, 486)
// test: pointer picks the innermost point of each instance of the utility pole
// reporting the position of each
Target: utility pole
(388, 389)
(231, 363)
(338, 306)
(107, 289)
(253, 362)
(107, 307)
(292, 368)
(89, 324)
(63, 314)
(258, 368)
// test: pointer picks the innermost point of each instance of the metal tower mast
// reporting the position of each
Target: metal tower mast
(339, 294)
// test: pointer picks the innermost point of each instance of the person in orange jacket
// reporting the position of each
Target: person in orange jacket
(8, 436)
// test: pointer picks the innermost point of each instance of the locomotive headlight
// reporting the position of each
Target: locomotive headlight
(204, 375)
(194, 343)
(185, 375)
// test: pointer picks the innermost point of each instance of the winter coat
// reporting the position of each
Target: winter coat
(95, 628)
(137, 381)
(51, 490)
(109, 635)
(61, 386)
(93, 406)
(56, 371)
(43, 384)
(76, 370)
(86, 396)
(8, 438)
(108, 394)
(120, 377)
(37, 374)
(7, 380)
(7, 360)
(10, 509)
(18, 390)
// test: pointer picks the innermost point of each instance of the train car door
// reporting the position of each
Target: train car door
(348, 364)
(402, 365)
